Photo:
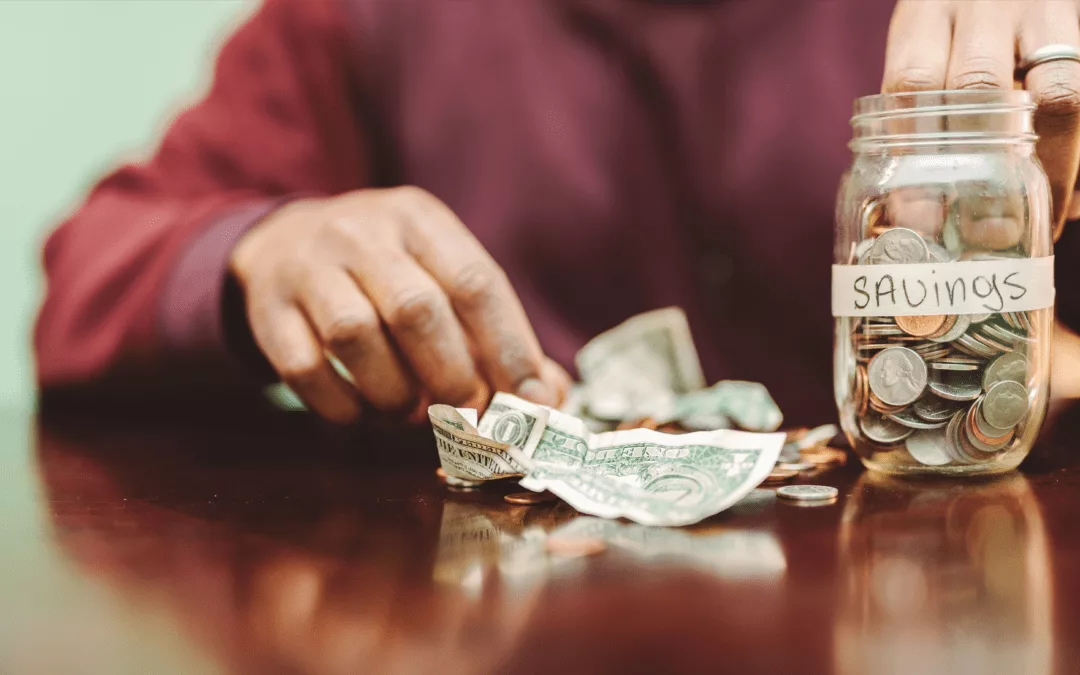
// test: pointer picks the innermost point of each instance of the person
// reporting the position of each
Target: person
(450, 198)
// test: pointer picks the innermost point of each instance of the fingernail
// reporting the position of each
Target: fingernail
(536, 391)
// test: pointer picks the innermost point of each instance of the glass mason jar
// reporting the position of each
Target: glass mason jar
(943, 284)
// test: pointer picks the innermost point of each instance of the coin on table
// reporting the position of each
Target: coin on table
(1012, 367)
(928, 447)
(899, 246)
(1005, 404)
(529, 498)
(796, 466)
(807, 493)
(897, 375)
(824, 456)
(921, 326)
(780, 476)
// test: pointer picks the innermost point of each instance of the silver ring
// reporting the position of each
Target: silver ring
(1046, 54)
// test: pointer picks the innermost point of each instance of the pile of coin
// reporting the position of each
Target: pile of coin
(950, 388)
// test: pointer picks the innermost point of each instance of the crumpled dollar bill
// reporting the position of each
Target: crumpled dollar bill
(649, 477)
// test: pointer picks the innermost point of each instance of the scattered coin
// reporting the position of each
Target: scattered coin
(807, 492)
(529, 498)
(796, 466)
(825, 456)
(779, 475)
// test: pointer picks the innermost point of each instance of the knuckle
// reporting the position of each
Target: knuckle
(979, 74)
(350, 329)
(300, 371)
(411, 193)
(415, 310)
(1059, 99)
(914, 79)
(476, 284)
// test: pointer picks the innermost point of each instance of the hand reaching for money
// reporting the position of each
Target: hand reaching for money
(394, 287)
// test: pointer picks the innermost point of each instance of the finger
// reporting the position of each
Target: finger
(288, 342)
(983, 46)
(917, 50)
(1055, 87)
(558, 379)
(420, 318)
(349, 327)
(482, 296)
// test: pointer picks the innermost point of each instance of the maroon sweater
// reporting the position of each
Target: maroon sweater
(614, 156)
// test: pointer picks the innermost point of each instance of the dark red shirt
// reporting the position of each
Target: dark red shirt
(614, 156)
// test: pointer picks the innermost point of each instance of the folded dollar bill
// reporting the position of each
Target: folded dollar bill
(649, 477)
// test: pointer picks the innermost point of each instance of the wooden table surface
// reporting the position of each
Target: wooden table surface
(275, 545)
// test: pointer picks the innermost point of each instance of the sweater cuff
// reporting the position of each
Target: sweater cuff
(194, 317)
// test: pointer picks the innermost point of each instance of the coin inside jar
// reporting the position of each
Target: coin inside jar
(928, 447)
(1005, 404)
(883, 430)
(921, 326)
(897, 376)
(1012, 366)
(899, 246)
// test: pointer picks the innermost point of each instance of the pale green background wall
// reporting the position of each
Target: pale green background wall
(83, 83)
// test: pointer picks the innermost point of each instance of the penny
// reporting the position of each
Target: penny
(807, 492)
(862, 390)
(921, 326)
(928, 447)
(1005, 404)
(933, 409)
(883, 430)
(950, 322)
(529, 498)
(957, 386)
(780, 476)
(1007, 367)
(796, 466)
(899, 246)
(897, 376)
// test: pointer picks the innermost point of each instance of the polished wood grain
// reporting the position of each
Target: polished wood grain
(272, 544)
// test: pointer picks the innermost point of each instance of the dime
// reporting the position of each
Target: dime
(1007, 367)
(921, 326)
(882, 430)
(1005, 404)
(979, 318)
(862, 249)
(933, 409)
(963, 322)
(957, 386)
(910, 419)
(897, 375)
(1006, 333)
(928, 447)
(529, 498)
(779, 475)
(938, 253)
(807, 492)
(901, 246)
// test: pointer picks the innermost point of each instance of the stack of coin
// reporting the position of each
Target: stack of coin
(950, 388)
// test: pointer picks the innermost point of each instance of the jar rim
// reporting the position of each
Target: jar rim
(941, 101)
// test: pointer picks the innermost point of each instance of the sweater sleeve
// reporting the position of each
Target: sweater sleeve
(136, 277)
